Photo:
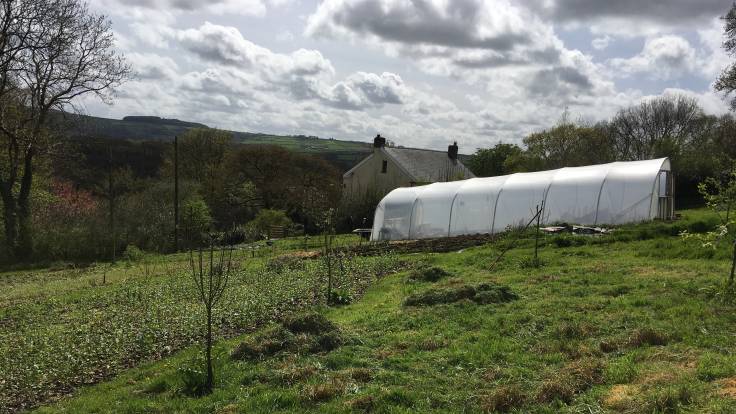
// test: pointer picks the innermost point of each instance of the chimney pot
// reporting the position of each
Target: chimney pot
(452, 151)
(379, 141)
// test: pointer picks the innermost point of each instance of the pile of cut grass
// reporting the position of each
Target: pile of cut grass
(482, 294)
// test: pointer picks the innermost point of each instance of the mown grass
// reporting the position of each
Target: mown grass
(633, 322)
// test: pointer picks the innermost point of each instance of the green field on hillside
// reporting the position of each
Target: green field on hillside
(633, 322)
(343, 154)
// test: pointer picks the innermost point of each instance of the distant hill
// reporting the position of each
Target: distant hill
(344, 154)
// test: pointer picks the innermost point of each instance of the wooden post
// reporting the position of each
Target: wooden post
(111, 199)
(176, 194)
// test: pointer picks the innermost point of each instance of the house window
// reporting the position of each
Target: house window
(384, 166)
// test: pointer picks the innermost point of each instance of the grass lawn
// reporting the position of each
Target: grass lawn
(633, 322)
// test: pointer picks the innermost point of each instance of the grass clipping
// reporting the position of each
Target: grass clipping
(302, 333)
(482, 294)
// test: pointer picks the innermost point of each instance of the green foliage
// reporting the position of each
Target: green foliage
(542, 354)
(196, 221)
(567, 145)
(132, 253)
(109, 328)
(726, 82)
(265, 219)
(501, 159)
(340, 297)
(721, 198)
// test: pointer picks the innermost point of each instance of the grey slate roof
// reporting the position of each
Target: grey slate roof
(428, 166)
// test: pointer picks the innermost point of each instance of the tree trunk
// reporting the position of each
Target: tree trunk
(733, 265)
(208, 352)
(9, 220)
(24, 243)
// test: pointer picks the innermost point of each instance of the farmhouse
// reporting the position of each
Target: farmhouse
(614, 193)
(389, 167)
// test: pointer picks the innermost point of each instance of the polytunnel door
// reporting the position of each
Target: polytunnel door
(666, 195)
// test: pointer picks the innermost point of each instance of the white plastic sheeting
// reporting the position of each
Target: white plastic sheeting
(615, 193)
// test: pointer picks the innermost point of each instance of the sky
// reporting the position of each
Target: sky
(423, 73)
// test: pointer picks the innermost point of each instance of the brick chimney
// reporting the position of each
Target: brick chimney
(379, 141)
(452, 151)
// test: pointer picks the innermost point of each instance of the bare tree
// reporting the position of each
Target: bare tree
(660, 126)
(211, 280)
(51, 53)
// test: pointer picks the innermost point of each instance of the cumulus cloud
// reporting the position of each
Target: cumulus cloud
(469, 33)
(632, 17)
(300, 70)
(661, 57)
(600, 43)
(152, 66)
(219, 7)
(492, 69)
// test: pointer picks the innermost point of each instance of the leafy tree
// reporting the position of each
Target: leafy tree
(491, 162)
(196, 220)
(726, 82)
(266, 219)
(720, 196)
(202, 154)
(298, 184)
(568, 145)
(51, 52)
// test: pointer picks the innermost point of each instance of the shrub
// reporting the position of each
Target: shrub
(196, 220)
(340, 297)
(265, 219)
(194, 381)
(132, 253)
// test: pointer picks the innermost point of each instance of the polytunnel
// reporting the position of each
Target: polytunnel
(614, 193)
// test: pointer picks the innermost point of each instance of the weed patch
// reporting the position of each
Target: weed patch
(647, 336)
(503, 399)
(669, 399)
(571, 380)
(323, 392)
